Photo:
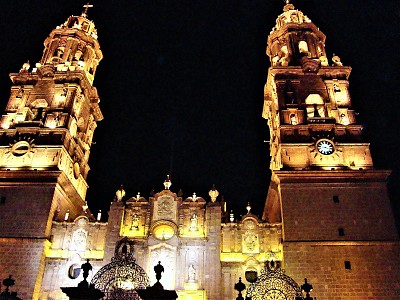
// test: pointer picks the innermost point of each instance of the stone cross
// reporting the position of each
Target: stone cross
(86, 6)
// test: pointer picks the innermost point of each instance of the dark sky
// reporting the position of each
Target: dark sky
(181, 87)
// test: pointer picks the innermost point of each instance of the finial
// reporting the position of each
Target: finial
(248, 207)
(232, 216)
(86, 6)
(85, 207)
(194, 197)
(66, 217)
(288, 6)
(99, 216)
(336, 60)
(240, 287)
(138, 196)
(167, 183)
(213, 193)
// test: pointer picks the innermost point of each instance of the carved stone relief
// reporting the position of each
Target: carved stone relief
(165, 208)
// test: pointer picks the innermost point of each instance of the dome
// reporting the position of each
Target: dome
(290, 15)
(81, 23)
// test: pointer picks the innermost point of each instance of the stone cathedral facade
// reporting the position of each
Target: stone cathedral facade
(327, 215)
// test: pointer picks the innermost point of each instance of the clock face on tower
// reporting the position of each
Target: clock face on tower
(325, 147)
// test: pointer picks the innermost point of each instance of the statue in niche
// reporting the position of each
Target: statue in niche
(339, 94)
(64, 92)
(55, 119)
(40, 114)
(293, 119)
(344, 119)
(135, 223)
(289, 93)
(194, 223)
(284, 56)
(316, 113)
(191, 274)
(79, 99)
(20, 93)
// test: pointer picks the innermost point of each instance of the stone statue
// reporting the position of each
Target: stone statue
(158, 269)
(324, 61)
(86, 267)
(191, 273)
(135, 223)
(194, 223)
(25, 67)
(336, 61)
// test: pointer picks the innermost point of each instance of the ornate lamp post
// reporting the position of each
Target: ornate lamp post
(157, 290)
(7, 294)
(240, 287)
(307, 288)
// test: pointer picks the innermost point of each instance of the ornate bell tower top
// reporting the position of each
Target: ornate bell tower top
(53, 110)
(75, 45)
(294, 36)
(307, 101)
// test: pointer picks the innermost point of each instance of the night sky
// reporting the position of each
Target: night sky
(181, 87)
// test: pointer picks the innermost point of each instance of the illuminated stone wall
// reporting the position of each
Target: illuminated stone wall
(245, 246)
(72, 243)
(202, 257)
(24, 258)
(372, 271)
(316, 206)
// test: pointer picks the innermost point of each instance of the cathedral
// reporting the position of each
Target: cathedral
(327, 214)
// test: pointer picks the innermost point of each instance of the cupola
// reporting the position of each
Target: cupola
(293, 37)
(73, 46)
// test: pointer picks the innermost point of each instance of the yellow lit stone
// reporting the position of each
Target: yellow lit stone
(163, 232)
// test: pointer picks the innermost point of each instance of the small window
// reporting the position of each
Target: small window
(336, 199)
(2, 200)
(347, 265)
(341, 231)
(74, 271)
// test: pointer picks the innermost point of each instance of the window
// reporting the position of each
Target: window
(336, 199)
(2, 200)
(74, 271)
(341, 231)
(347, 265)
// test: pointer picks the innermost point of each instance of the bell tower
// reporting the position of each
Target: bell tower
(45, 139)
(332, 203)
